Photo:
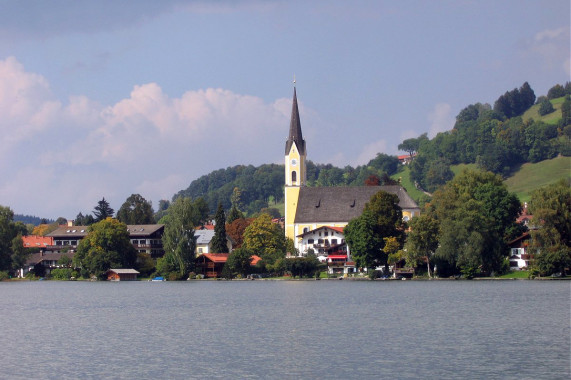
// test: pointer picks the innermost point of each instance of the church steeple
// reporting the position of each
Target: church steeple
(295, 135)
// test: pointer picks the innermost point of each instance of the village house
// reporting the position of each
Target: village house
(204, 241)
(210, 265)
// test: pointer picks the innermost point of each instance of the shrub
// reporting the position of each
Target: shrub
(545, 107)
(62, 273)
(4, 276)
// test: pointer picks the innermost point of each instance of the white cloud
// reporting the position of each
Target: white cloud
(148, 142)
(441, 119)
(552, 45)
(370, 151)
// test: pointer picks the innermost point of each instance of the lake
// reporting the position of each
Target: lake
(286, 329)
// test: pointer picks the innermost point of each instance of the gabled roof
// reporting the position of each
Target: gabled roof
(337, 229)
(341, 204)
(36, 241)
(79, 232)
(216, 257)
(123, 271)
(254, 260)
(143, 229)
(295, 135)
(203, 236)
(36, 258)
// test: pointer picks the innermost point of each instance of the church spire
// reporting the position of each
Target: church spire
(295, 135)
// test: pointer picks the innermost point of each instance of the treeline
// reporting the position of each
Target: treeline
(29, 219)
(261, 187)
(496, 139)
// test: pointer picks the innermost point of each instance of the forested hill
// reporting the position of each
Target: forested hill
(519, 128)
(263, 186)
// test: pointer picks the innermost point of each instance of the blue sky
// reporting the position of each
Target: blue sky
(108, 98)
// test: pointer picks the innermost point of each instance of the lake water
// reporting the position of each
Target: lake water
(286, 330)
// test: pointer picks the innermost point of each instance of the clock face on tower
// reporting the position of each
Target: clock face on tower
(293, 162)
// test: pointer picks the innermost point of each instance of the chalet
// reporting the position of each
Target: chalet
(210, 265)
(122, 275)
(406, 159)
(519, 252)
(324, 240)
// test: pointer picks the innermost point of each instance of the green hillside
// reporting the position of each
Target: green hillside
(533, 176)
(552, 118)
(403, 176)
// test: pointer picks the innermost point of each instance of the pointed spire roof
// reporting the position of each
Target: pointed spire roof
(295, 135)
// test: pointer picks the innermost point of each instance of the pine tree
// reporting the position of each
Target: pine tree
(219, 241)
(103, 211)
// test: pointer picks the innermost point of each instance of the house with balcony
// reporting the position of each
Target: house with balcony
(520, 257)
(146, 238)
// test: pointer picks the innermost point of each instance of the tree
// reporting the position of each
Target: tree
(9, 232)
(19, 253)
(103, 211)
(106, 245)
(178, 239)
(545, 107)
(551, 209)
(475, 211)
(265, 239)
(239, 262)
(381, 218)
(219, 240)
(422, 240)
(236, 230)
(81, 220)
(136, 210)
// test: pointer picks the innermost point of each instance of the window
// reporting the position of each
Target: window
(293, 177)
(199, 250)
(305, 229)
(310, 241)
(319, 241)
(326, 233)
(333, 241)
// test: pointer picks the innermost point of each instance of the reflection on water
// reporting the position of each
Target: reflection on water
(286, 329)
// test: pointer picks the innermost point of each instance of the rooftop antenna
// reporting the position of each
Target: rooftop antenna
(293, 80)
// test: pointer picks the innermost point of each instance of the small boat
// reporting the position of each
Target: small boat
(158, 279)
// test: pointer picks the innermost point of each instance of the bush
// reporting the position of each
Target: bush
(4, 276)
(545, 107)
(62, 274)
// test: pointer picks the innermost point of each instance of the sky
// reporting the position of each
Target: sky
(106, 98)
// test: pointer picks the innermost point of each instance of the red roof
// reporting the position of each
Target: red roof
(32, 241)
(337, 256)
(216, 257)
(255, 260)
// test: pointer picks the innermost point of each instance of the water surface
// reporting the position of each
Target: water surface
(286, 329)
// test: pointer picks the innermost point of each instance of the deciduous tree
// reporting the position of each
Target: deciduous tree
(265, 239)
(551, 209)
(106, 245)
(136, 210)
(178, 239)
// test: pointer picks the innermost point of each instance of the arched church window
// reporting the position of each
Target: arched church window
(293, 177)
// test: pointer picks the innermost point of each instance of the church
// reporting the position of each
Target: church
(311, 211)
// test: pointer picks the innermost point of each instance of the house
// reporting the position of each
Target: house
(406, 159)
(146, 238)
(47, 259)
(122, 275)
(210, 265)
(520, 258)
(308, 208)
(204, 241)
(323, 240)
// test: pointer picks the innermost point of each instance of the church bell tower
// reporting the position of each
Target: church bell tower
(295, 169)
